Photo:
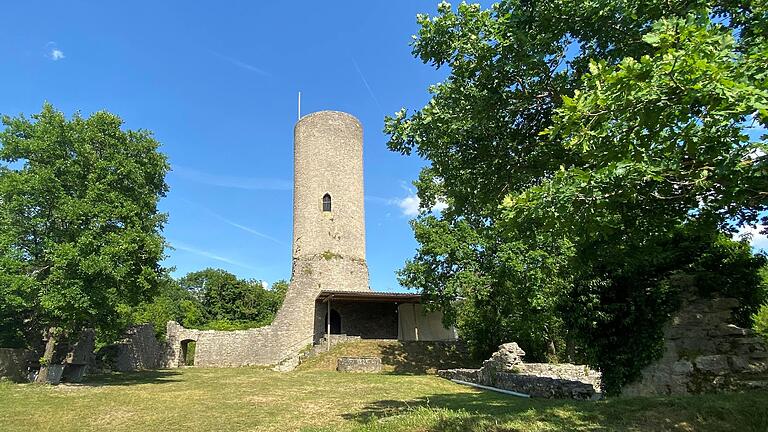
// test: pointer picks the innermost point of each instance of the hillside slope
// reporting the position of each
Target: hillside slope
(397, 357)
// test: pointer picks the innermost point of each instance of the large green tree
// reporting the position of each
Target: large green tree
(230, 302)
(79, 224)
(590, 153)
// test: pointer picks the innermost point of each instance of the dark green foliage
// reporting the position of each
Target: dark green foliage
(210, 299)
(594, 156)
(227, 299)
(760, 318)
(173, 303)
(79, 225)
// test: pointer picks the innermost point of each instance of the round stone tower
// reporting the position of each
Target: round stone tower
(328, 202)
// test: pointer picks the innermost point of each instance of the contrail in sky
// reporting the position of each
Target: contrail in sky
(248, 183)
(241, 64)
(235, 224)
(365, 81)
(196, 251)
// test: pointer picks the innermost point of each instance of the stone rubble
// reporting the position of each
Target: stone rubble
(507, 370)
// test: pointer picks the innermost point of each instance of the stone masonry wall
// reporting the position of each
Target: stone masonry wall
(139, 350)
(328, 249)
(328, 159)
(506, 370)
(367, 320)
(704, 353)
(14, 363)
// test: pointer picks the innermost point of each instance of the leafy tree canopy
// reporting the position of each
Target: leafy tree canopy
(590, 153)
(79, 225)
(225, 298)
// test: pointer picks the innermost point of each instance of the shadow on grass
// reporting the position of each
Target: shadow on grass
(474, 412)
(132, 378)
(418, 358)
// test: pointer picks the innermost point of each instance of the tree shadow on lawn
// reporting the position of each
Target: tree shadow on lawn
(484, 411)
(419, 358)
(132, 378)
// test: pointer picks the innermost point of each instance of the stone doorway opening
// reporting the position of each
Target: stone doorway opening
(335, 322)
(188, 347)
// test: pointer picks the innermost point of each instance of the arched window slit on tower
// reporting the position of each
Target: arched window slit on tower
(326, 202)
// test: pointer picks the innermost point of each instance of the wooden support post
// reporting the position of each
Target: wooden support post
(328, 324)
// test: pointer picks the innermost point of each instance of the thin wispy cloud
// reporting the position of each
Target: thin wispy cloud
(241, 64)
(378, 199)
(248, 183)
(410, 205)
(365, 82)
(235, 224)
(186, 248)
(252, 231)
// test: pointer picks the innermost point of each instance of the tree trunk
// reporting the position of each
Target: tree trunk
(50, 348)
(551, 348)
(570, 349)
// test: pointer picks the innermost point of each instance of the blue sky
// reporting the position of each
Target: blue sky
(218, 87)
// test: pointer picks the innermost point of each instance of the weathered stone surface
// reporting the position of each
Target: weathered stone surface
(138, 349)
(359, 364)
(682, 367)
(328, 249)
(14, 363)
(469, 375)
(506, 370)
(506, 358)
(704, 352)
(730, 330)
(81, 351)
(287, 365)
(716, 364)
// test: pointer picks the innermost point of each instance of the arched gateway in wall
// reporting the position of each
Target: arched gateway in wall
(329, 270)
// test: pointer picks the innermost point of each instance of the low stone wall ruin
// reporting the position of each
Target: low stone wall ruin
(704, 353)
(140, 350)
(14, 363)
(359, 364)
(506, 370)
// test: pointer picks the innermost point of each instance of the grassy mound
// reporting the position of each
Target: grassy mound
(397, 357)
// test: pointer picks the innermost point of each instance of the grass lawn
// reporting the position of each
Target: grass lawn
(255, 399)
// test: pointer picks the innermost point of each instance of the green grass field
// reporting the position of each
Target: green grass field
(255, 399)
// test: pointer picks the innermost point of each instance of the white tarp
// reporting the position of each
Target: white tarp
(414, 324)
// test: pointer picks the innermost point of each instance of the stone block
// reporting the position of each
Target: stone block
(469, 375)
(682, 367)
(82, 350)
(757, 367)
(730, 330)
(725, 303)
(715, 364)
(691, 347)
(14, 363)
(359, 364)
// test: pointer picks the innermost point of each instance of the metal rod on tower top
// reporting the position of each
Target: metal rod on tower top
(299, 106)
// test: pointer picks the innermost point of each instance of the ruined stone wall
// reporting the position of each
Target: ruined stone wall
(368, 320)
(703, 353)
(139, 349)
(14, 363)
(506, 370)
